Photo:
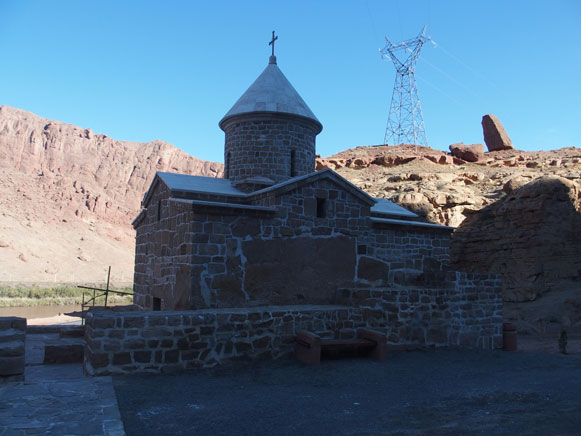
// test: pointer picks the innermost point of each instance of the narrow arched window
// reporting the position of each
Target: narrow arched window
(293, 171)
(227, 169)
(321, 208)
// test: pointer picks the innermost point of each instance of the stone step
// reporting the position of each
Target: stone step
(63, 350)
(12, 352)
(64, 331)
(72, 331)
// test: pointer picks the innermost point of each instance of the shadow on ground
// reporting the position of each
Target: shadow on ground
(442, 392)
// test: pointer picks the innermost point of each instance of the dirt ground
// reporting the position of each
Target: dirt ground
(430, 392)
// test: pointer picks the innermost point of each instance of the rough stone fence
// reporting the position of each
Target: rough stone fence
(12, 339)
(469, 315)
(161, 341)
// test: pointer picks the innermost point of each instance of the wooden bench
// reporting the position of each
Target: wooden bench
(310, 346)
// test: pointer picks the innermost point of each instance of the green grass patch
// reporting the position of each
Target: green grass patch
(57, 295)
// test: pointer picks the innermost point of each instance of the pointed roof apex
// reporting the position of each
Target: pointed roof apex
(271, 92)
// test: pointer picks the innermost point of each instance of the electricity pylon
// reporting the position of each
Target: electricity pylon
(405, 123)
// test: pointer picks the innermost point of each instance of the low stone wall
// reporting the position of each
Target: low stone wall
(469, 315)
(125, 342)
(12, 338)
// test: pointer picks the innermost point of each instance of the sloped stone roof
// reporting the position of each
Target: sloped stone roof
(380, 207)
(271, 92)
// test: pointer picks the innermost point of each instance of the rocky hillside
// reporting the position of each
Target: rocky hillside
(445, 188)
(68, 196)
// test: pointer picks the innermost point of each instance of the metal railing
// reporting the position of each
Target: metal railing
(91, 301)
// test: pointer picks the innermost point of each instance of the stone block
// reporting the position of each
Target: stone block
(11, 349)
(97, 360)
(187, 355)
(58, 352)
(166, 343)
(242, 347)
(122, 358)
(207, 330)
(171, 356)
(134, 344)
(10, 366)
(116, 334)
(111, 346)
(133, 322)
(103, 323)
(238, 317)
(246, 226)
(12, 335)
(156, 333)
(182, 344)
(142, 356)
(156, 320)
(262, 342)
(174, 320)
(12, 322)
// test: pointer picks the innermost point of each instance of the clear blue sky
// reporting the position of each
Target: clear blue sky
(145, 70)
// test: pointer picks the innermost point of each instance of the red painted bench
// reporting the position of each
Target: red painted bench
(310, 346)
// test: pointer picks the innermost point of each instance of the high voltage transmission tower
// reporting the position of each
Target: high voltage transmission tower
(405, 123)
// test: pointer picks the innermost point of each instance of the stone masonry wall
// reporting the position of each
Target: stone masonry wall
(467, 312)
(12, 338)
(162, 264)
(468, 315)
(124, 342)
(263, 147)
(199, 257)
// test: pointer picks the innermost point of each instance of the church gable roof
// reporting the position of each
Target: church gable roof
(380, 207)
(271, 92)
(185, 183)
(199, 184)
(220, 188)
(308, 179)
(385, 207)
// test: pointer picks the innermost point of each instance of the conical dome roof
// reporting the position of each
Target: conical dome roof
(271, 92)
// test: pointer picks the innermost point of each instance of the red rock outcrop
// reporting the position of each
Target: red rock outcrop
(469, 153)
(495, 137)
(532, 237)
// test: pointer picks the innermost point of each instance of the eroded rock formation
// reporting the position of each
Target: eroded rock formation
(495, 137)
(532, 237)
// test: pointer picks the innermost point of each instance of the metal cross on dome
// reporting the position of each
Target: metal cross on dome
(274, 38)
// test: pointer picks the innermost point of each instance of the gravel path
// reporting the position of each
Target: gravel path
(442, 392)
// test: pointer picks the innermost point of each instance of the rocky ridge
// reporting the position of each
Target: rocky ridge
(444, 188)
(68, 196)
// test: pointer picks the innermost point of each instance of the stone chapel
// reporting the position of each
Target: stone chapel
(234, 268)
(274, 231)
